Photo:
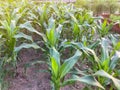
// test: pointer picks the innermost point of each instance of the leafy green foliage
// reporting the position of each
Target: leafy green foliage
(71, 37)
(104, 27)
(59, 70)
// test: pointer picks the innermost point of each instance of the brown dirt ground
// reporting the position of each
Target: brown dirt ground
(32, 79)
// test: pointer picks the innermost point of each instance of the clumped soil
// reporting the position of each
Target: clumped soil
(33, 78)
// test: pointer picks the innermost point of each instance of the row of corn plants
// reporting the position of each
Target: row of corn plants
(71, 37)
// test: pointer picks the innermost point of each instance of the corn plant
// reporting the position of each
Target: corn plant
(52, 34)
(106, 64)
(40, 15)
(82, 25)
(10, 19)
(103, 63)
(59, 71)
(103, 27)
(9, 30)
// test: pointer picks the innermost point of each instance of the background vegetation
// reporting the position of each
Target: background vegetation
(99, 6)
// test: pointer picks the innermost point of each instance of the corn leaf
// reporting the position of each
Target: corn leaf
(55, 66)
(114, 60)
(22, 35)
(105, 74)
(69, 63)
(55, 54)
(25, 45)
(27, 25)
(88, 79)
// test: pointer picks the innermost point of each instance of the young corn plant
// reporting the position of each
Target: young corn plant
(10, 19)
(82, 25)
(10, 32)
(60, 70)
(40, 15)
(103, 27)
(107, 65)
(52, 34)
(103, 64)
(83, 76)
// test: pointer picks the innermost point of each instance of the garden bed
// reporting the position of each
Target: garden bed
(56, 46)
